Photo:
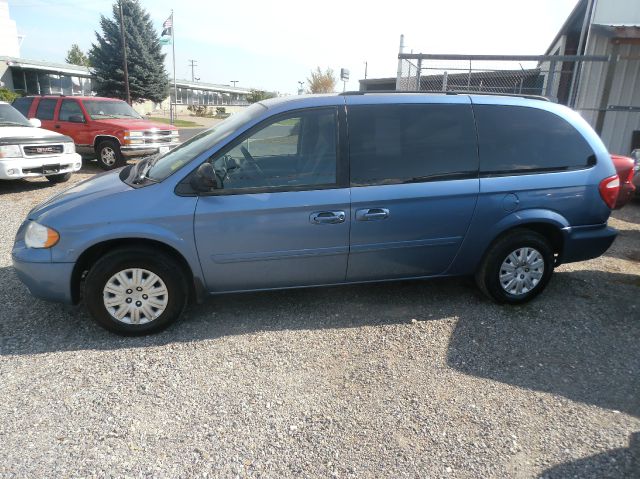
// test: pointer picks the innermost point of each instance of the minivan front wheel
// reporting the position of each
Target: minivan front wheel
(135, 291)
(517, 267)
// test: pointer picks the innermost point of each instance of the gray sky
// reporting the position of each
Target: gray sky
(272, 45)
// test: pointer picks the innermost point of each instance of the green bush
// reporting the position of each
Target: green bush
(7, 95)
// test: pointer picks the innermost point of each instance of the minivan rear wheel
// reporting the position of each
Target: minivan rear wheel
(516, 268)
(135, 291)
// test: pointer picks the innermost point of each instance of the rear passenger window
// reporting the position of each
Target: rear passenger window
(22, 105)
(515, 139)
(390, 144)
(46, 108)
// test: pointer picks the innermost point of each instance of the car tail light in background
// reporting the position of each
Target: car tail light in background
(609, 188)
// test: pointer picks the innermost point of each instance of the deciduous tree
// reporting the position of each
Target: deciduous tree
(321, 82)
(75, 56)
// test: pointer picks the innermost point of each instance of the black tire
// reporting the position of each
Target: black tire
(488, 274)
(109, 155)
(164, 266)
(59, 178)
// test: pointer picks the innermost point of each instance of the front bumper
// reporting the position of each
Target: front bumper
(586, 242)
(32, 167)
(49, 281)
(132, 151)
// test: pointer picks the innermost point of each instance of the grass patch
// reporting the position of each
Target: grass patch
(178, 123)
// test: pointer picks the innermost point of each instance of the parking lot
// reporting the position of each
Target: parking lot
(414, 379)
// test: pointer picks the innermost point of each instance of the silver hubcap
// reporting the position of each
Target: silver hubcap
(521, 271)
(108, 156)
(135, 296)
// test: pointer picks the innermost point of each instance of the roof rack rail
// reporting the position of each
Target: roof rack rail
(460, 92)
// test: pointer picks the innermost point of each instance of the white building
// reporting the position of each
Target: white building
(9, 38)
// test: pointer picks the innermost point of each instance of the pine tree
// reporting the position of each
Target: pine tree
(75, 56)
(148, 79)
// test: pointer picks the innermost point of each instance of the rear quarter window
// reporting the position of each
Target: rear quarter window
(514, 139)
(23, 105)
(391, 144)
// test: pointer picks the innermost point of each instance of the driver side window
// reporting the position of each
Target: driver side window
(292, 150)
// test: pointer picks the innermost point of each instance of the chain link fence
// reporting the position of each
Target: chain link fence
(545, 75)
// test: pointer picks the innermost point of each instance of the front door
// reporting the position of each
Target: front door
(414, 177)
(280, 216)
(71, 121)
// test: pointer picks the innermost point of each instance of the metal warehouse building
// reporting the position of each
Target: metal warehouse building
(607, 94)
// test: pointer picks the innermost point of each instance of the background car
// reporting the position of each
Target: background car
(106, 128)
(27, 151)
(625, 167)
(635, 154)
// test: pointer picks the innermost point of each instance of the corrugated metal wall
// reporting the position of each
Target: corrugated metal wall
(625, 92)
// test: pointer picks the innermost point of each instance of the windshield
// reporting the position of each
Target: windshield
(183, 154)
(99, 109)
(9, 116)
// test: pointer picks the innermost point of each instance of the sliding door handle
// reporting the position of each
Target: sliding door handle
(372, 214)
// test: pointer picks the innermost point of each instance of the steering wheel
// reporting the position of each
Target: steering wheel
(250, 160)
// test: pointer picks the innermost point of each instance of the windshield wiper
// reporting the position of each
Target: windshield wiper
(143, 167)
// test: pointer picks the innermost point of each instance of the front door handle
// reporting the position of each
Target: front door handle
(371, 214)
(327, 217)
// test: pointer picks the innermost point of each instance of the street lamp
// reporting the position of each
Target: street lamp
(300, 89)
(234, 82)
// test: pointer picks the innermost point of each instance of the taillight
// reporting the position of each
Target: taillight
(609, 188)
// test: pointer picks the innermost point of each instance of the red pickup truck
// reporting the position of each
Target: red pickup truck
(105, 128)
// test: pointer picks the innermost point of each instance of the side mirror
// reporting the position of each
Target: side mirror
(35, 122)
(76, 119)
(205, 179)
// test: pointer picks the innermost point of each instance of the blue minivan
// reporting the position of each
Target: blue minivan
(325, 190)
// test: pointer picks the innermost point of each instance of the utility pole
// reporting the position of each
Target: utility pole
(300, 89)
(124, 55)
(234, 82)
(193, 64)
(366, 65)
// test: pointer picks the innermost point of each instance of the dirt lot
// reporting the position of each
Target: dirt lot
(417, 379)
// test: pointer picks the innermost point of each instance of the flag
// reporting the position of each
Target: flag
(165, 40)
(167, 27)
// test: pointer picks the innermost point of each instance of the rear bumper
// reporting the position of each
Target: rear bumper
(586, 242)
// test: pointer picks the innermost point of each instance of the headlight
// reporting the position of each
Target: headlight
(69, 148)
(39, 236)
(10, 151)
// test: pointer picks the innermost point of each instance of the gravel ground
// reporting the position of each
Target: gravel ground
(417, 379)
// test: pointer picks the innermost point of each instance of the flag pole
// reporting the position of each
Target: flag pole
(175, 90)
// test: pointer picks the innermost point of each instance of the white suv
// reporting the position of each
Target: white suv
(27, 151)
